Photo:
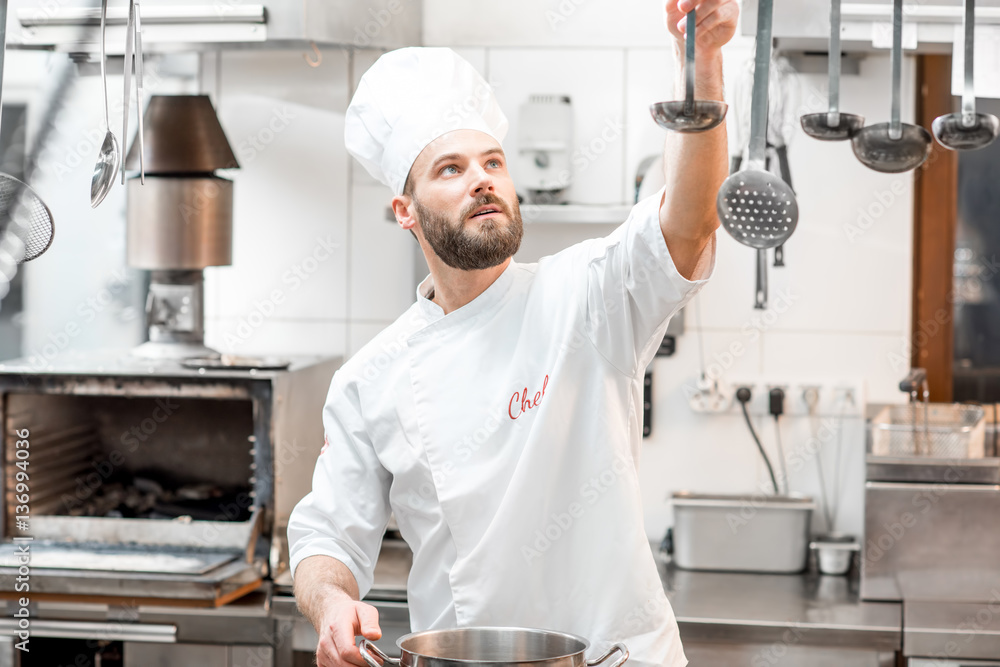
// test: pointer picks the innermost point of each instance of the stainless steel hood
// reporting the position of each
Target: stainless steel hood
(199, 25)
(929, 25)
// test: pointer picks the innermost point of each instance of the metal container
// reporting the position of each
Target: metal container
(753, 533)
(834, 553)
(947, 430)
(506, 647)
(179, 222)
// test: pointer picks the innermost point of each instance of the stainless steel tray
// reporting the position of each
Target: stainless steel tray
(752, 533)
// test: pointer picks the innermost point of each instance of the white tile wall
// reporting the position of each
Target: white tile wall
(599, 137)
(381, 256)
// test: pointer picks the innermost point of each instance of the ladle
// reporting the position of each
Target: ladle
(967, 130)
(893, 147)
(756, 207)
(109, 156)
(691, 115)
(833, 125)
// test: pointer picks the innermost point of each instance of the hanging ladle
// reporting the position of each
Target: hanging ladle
(833, 125)
(691, 115)
(967, 130)
(109, 157)
(756, 207)
(893, 147)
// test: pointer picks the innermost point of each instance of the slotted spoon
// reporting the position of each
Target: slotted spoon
(757, 208)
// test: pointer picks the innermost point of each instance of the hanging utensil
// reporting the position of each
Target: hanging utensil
(691, 115)
(757, 208)
(133, 59)
(786, 175)
(760, 293)
(109, 156)
(26, 228)
(893, 147)
(967, 130)
(780, 124)
(833, 125)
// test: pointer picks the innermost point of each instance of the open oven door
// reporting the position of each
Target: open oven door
(178, 561)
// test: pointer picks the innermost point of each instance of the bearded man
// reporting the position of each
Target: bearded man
(499, 418)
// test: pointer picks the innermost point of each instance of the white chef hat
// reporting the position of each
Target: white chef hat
(409, 98)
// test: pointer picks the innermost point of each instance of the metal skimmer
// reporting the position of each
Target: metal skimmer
(756, 207)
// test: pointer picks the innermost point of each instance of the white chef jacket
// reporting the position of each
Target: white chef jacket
(505, 436)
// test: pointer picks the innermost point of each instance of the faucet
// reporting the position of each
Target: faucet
(915, 384)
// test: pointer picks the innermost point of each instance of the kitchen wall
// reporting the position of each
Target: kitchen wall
(318, 270)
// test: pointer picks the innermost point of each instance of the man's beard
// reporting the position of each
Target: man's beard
(489, 243)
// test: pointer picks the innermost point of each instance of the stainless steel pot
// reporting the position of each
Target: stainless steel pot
(510, 647)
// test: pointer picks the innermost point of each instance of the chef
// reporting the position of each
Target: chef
(499, 418)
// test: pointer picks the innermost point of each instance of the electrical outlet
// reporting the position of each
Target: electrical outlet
(832, 397)
(710, 397)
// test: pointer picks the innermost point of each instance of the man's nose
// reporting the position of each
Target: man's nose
(482, 181)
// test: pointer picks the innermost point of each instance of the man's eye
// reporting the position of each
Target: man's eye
(495, 163)
(453, 168)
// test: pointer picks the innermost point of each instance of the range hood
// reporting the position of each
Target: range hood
(929, 25)
(200, 25)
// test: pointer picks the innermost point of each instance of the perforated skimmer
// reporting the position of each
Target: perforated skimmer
(756, 207)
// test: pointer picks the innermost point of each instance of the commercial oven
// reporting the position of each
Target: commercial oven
(153, 498)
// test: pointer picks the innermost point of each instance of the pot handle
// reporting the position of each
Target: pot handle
(621, 648)
(367, 648)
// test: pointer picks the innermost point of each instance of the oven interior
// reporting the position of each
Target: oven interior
(132, 457)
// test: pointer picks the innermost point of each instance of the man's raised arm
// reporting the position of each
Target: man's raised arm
(696, 164)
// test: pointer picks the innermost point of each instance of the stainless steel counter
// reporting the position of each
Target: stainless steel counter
(806, 610)
(794, 610)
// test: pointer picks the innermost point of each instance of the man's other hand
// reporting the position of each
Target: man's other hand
(343, 621)
(716, 21)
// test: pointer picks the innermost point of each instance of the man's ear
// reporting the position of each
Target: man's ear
(403, 208)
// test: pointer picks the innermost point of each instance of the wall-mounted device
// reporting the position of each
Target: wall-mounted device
(545, 144)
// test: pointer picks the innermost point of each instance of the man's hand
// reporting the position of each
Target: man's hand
(327, 594)
(343, 620)
(716, 21)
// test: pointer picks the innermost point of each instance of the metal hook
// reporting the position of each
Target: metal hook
(318, 57)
